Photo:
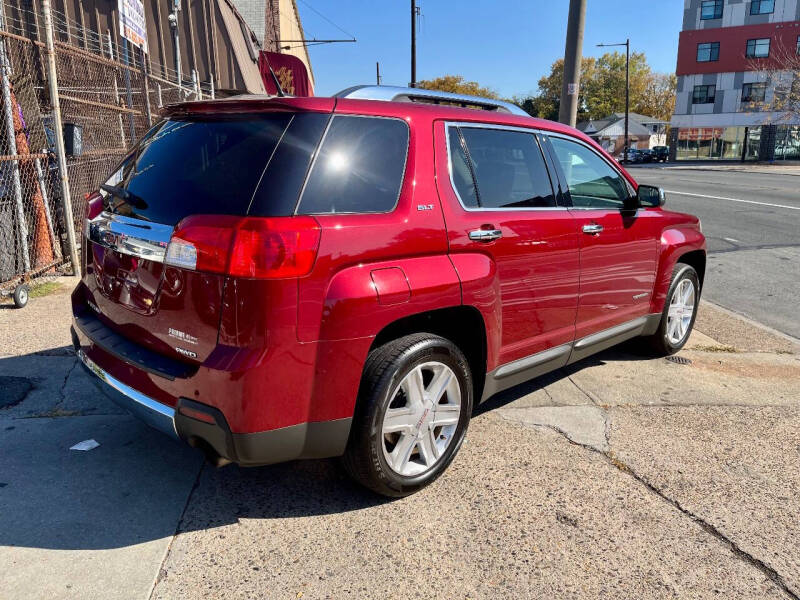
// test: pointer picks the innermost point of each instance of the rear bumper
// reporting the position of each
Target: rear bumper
(208, 428)
(157, 415)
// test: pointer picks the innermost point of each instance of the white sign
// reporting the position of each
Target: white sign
(132, 24)
(572, 89)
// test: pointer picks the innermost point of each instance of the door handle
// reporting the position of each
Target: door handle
(592, 228)
(485, 235)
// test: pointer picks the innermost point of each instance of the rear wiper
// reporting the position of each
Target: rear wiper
(124, 195)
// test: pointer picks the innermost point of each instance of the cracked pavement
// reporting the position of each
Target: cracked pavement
(620, 476)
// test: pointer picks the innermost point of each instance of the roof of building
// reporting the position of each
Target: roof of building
(636, 124)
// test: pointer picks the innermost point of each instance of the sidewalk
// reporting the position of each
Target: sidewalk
(778, 167)
(620, 476)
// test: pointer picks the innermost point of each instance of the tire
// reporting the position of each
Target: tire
(374, 458)
(666, 341)
(21, 295)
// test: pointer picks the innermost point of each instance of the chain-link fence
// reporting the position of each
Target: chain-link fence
(109, 96)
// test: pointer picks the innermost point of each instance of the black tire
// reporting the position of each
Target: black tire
(21, 295)
(659, 342)
(384, 369)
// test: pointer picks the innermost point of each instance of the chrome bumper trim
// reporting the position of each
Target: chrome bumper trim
(155, 414)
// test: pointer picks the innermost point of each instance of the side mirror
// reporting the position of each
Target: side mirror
(650, 195)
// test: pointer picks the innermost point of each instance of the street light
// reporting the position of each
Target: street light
(627, 45)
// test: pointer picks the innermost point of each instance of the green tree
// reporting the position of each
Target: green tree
(602, 89)
(455, 84)
(547, 102)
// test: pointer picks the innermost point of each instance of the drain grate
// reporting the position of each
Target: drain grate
(679, 360)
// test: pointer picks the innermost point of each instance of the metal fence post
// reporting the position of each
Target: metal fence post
(5, 72)
(128, 92)
(59, 135)
(145, 89)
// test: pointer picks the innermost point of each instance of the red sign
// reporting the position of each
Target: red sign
(290, 71)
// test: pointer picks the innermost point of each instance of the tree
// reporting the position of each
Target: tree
(547, 102)
(782, 74)
(602, 89)
(455, 84)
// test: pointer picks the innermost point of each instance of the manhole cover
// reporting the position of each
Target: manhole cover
(679, 360)
(14, 390)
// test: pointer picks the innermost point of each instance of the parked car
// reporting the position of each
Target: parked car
(660, 153)
(278, 278)
(646, 155)
(634, 156)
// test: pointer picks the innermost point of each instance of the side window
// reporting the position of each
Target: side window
(461, 171)
(509, 169)
(359, 168)
(592, 182)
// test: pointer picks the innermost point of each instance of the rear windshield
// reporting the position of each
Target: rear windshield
(214, 165)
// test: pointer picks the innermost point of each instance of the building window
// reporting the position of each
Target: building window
(757, 48)
(711, 9)
(762, 7)
(708, 52)
(704, 94)
(754, 92)
(798, 45)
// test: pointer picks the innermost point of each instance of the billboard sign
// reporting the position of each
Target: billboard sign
(132, 24)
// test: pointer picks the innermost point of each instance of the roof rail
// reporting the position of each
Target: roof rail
(390, 93)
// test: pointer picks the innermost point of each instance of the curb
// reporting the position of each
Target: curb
(753, 323)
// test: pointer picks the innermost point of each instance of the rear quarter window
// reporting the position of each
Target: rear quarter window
(359, 167)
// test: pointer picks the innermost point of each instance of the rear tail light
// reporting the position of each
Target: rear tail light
(94, 205)
(251, 247)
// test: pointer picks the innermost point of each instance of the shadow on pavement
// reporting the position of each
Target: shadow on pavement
(135, 486)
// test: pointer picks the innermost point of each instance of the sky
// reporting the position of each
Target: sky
(506, 46)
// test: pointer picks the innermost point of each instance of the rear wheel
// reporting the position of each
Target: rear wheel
(680, 311)
(414, 407)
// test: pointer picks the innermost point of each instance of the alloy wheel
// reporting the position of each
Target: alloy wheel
(421, 419)
(681, 311)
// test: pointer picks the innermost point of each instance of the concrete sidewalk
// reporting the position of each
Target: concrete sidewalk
(775, 168)
(621, 476)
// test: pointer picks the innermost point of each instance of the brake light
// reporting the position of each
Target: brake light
(94, 205)
(250, 247)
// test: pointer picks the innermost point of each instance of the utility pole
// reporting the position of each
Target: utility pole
(568, 110)
(413, 43)
(627, 45)
(378, 73)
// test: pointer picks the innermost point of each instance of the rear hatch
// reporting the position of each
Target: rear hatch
(163, 227)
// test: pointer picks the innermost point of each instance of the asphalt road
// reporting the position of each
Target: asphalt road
(752, 223)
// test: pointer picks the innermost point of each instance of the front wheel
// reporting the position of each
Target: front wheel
(680, 311)
(414, 406)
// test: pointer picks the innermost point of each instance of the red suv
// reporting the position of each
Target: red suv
(278, 278)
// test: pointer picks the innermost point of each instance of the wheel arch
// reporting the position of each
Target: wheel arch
(697, 260)
(462, 325)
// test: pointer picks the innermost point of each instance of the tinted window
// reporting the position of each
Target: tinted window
(711, 9)
(762, 7)
(283, 179)
(509, 169)
(592, 182)
(708, 52)
(359, 168)
(758, 48)
(704, 94)
(187, 166)
(461, 171)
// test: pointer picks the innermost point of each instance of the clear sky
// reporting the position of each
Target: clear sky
(506, 46)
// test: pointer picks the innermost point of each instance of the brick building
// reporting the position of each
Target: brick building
(730, 55)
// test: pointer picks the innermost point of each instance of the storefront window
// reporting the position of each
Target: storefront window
(706, 143)
(753, 143)
(787, 142)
